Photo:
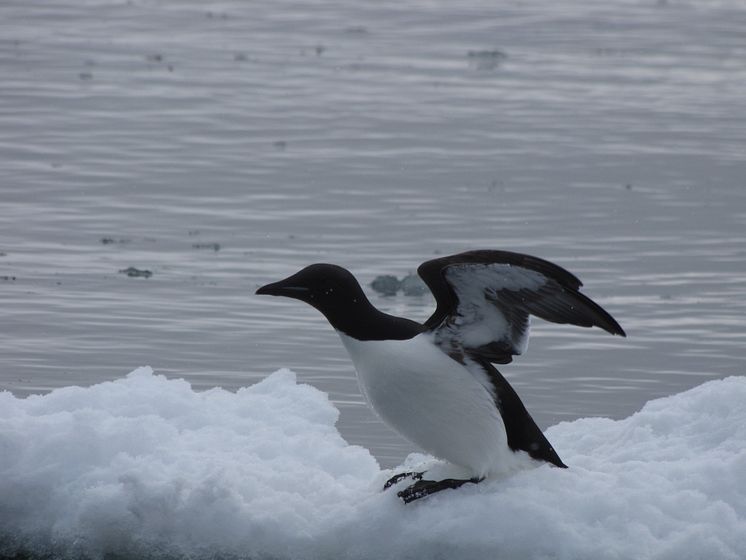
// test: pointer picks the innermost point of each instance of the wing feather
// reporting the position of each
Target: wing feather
(485, 298)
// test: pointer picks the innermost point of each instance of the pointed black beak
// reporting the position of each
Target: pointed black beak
(283, 288)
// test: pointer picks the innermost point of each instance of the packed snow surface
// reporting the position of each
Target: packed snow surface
(146, 467)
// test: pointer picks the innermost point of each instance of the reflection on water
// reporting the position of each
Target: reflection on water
(609, 139)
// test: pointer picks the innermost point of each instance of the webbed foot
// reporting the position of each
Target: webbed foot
(423, 488)
(401, 476)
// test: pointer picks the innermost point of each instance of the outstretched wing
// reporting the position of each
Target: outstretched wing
(485, 298)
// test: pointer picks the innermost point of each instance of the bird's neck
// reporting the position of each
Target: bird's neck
(359, 319)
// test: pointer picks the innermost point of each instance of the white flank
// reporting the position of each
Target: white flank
(433, 401)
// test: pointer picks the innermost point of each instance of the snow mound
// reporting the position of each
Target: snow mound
(146, 467)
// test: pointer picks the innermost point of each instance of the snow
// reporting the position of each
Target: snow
(146, 467)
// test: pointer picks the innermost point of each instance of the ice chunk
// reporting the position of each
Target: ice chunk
(412, 285)
(146, 467)
(386, 284)
(389, 285)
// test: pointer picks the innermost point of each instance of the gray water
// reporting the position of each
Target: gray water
(609, 138)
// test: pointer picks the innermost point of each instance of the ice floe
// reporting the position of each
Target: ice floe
(147, 467)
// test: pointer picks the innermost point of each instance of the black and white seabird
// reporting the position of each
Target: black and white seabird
(434, 383)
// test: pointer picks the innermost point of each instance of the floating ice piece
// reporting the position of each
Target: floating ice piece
(212, 246)
(412, 285)
(389, 285)
(136, 272)
(386, 284)
(486, 59)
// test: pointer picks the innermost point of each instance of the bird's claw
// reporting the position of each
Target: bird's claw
(401, 476)
(423, 488)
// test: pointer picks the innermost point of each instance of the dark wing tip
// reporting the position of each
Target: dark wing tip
(601, 317)
(607, 322)
(619, 331)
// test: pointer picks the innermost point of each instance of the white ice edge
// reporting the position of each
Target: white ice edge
(147, 467)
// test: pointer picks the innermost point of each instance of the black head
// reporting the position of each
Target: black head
(335, 292)
(329, 288)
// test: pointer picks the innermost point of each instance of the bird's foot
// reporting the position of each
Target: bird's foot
(423, 488)
(401, 476)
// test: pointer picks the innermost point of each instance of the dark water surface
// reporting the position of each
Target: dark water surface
(607, 138)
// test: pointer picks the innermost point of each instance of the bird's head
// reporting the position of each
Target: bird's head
(329, 288)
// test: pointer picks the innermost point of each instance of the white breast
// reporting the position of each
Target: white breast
(432, 400)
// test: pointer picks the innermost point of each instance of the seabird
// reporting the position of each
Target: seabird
(435, 382)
